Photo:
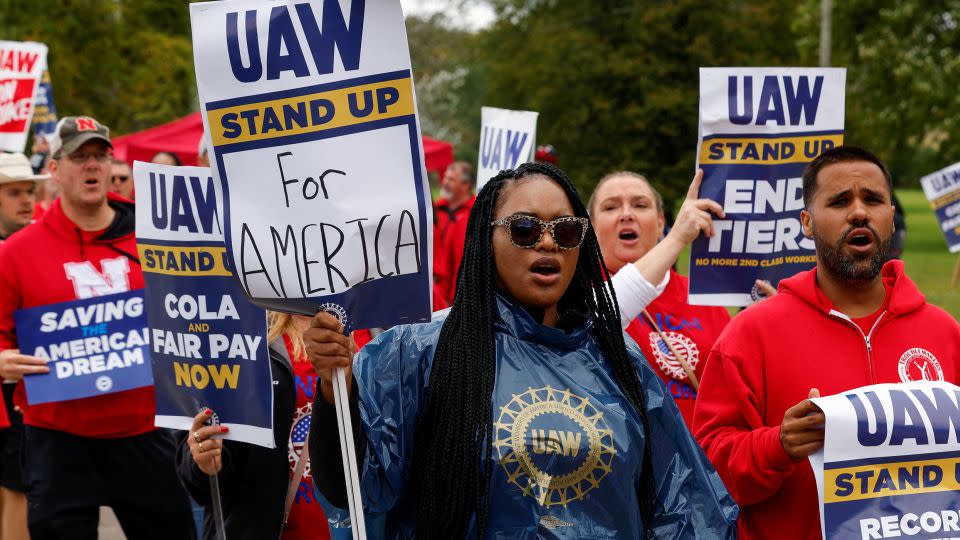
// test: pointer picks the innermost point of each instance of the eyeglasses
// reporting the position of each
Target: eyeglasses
(80, 159)
(526, 231)
(121, 178)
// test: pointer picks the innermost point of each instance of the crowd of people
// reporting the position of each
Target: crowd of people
(569, 391)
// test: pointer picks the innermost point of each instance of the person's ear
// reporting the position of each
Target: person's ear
(806, 221)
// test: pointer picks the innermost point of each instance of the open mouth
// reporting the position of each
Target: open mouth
(628, 235)
(860, 237)
(546, 267)
(91, 182)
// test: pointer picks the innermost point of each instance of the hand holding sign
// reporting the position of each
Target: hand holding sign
(801, 432)
(204, 448)
(328, 348)
(694, 216)
(13, 365)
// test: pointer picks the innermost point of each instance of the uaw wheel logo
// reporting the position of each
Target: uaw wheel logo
(919, 365)
(104, 383)
(755, 293)
(668, 363)
(214, 420)
(298, 436)
(336, 310)
(553, 445)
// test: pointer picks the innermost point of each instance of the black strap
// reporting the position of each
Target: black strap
(133, 258)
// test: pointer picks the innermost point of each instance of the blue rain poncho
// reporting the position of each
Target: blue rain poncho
(568, 443)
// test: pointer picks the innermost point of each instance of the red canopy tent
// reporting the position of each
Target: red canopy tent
(182, 137)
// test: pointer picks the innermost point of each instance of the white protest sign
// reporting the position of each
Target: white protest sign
(311, 113)
(21, 66)
(890, 465)
(759, 128)
(942, 189)
(507, 139)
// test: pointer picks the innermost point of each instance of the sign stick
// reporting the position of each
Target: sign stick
(221, 533)
(348, 451)
(676, 354)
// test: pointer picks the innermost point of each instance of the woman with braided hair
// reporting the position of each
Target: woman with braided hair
(520, 412)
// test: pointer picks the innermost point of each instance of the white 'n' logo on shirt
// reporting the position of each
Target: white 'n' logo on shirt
(87, 282)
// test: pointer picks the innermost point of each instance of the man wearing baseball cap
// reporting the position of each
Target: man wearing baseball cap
(18, 187)
(103, 450)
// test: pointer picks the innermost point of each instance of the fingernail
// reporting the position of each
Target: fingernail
(208, 412)
(224, 429)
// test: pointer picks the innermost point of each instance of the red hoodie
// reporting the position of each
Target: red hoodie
(692, 329)
(54, 261)
(768, 359)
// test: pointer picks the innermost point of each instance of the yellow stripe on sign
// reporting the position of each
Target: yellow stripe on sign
(887, 479)
(766, 151)
(944, 200)
(312, 113)
(183, 261)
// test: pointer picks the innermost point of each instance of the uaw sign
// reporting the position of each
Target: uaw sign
(311, 112)
(507, 139)
(759, 128)
(208, 343)
(21, 66)
(942, 189)
(890, 465)
(93, 346)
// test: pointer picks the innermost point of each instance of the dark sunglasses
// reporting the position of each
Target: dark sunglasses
(121, 177)
(526, 231)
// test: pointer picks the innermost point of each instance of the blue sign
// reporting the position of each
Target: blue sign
(94, 346)
(208, 342)
(44, 111)
(759, 128)
(942, 189)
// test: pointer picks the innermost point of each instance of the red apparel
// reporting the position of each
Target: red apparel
(450, 237)
(768, 359)
(53, 261)
(307, 519)
(692, 331)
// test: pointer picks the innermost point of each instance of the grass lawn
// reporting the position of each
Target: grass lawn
(925, 255)
(926, 258)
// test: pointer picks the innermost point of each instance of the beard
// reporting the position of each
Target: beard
(852, 268)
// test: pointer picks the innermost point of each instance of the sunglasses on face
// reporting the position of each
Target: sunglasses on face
(526, 231)
(120, 178)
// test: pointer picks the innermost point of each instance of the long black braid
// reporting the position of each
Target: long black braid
(453, 459)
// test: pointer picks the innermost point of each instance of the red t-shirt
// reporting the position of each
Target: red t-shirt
(867, 323)
(692, 329)
(307, 520)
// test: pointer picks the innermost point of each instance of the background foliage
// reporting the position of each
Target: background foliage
(615, 81)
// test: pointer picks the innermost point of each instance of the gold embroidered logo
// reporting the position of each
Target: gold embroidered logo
(540, 438)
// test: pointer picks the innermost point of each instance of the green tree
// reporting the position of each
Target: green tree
(448, 80)
(616, 82)
(129, 63)
(903, 71)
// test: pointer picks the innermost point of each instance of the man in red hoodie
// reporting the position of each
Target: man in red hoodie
(103, 450)
(852, 321)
